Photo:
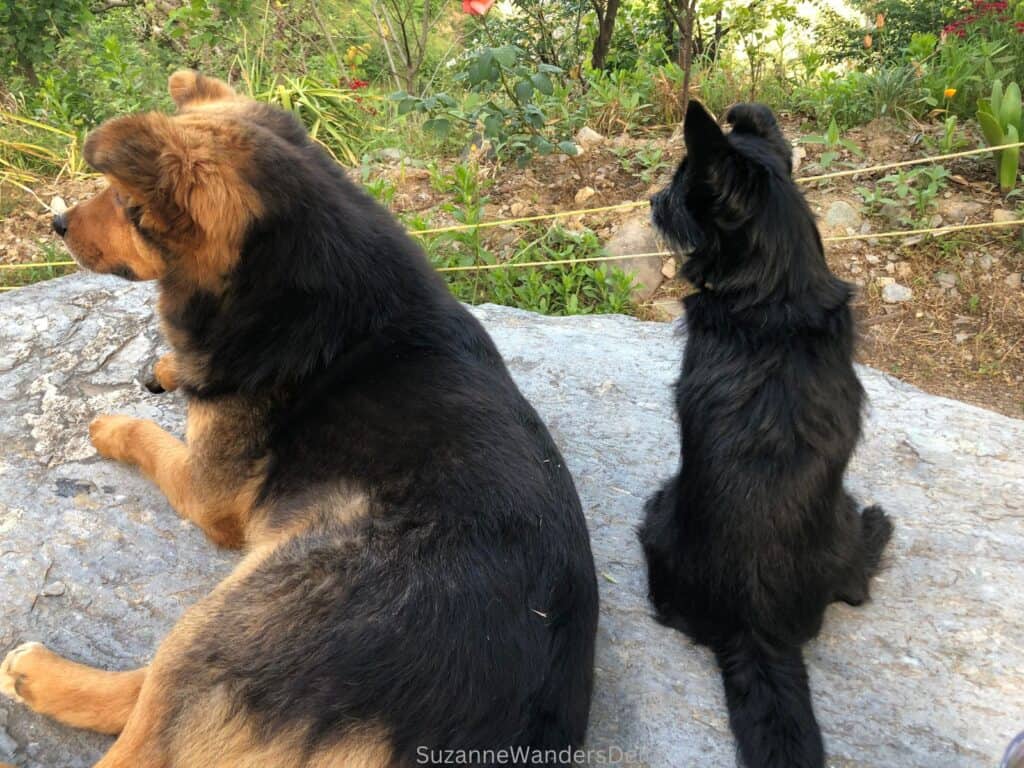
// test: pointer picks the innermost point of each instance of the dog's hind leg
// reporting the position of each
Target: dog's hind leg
(875, 529)
(74, 694)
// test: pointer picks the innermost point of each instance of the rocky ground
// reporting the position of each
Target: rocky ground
(928, 675)
(945, 314)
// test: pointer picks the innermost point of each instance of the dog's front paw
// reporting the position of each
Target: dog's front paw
(112, 436)
(15, 672)
(165, 375)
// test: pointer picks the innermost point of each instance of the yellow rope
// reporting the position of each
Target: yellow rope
(525, 219)
(553, 263)
(906, 163)
(39, 264)
(930, 231)
(628, 256)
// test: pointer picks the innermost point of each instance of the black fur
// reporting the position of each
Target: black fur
(753, 538)
(461, 611)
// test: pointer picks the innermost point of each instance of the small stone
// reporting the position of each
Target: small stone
(884, 281)
(962, 337)
(890, 267)
(946, 279)
(54, 589)
(637, 236)
(904, 270)
(872, 258)
(669, 269)
(587, 137)
(935, 221)
(57, 205)
(799, 153)
(896, 294)
(390, 154)
(958, 211)
(985, 263)
(585, 194)
(1013, 280)
(1001, 215)
(517, 209)
(842, 217)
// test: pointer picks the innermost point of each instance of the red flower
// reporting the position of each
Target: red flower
(477, 7)
(356, 85)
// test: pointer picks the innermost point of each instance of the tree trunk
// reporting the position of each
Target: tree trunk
(605, 30)
(686, 15)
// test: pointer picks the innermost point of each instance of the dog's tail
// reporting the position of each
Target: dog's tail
(769, 702)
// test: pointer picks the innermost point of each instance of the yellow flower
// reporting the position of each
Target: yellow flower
(949, 93)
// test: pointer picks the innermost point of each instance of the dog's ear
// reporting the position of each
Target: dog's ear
(146, 155)
(753, 118)
(187, 86)
(702, 133)
(759, 120)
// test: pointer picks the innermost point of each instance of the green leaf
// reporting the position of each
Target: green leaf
(439, 127)
(407, 105)
(524, 90)
(1009, 110)
(542, 83)
(492, 126)
(991, 129)
(506, 55)
(997, 96)
(1009, 162)
(568, 148)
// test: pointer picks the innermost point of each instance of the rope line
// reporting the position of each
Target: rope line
(628, 256)
(641, 203)
(39, 264)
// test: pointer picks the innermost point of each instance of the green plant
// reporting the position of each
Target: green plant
(50, 252)
(915, 190)
(502, 103)
(333, 116)
(1000, 120)
(833, 142)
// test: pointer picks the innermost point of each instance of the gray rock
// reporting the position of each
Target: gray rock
(894, 293)
(637, 236)
(842, 218)
(928, 675)
(958, 211)
(946, 279)
(586, 137)
(1013, 280)
(390, 155)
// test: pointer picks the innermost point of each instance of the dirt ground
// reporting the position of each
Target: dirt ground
(960, 335)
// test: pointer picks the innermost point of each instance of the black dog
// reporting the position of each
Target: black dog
(748, 544)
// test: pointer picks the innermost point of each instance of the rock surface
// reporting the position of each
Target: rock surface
(842, 218)
(929, 675)
(637, 236)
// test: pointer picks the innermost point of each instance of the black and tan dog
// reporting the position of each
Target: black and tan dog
(418, 574)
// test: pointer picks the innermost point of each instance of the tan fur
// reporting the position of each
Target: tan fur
(166, 372)
(208, 480)
(72, 693)
(102, 239)
(199, 206)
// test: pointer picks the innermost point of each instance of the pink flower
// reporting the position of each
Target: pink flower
(477, 7)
